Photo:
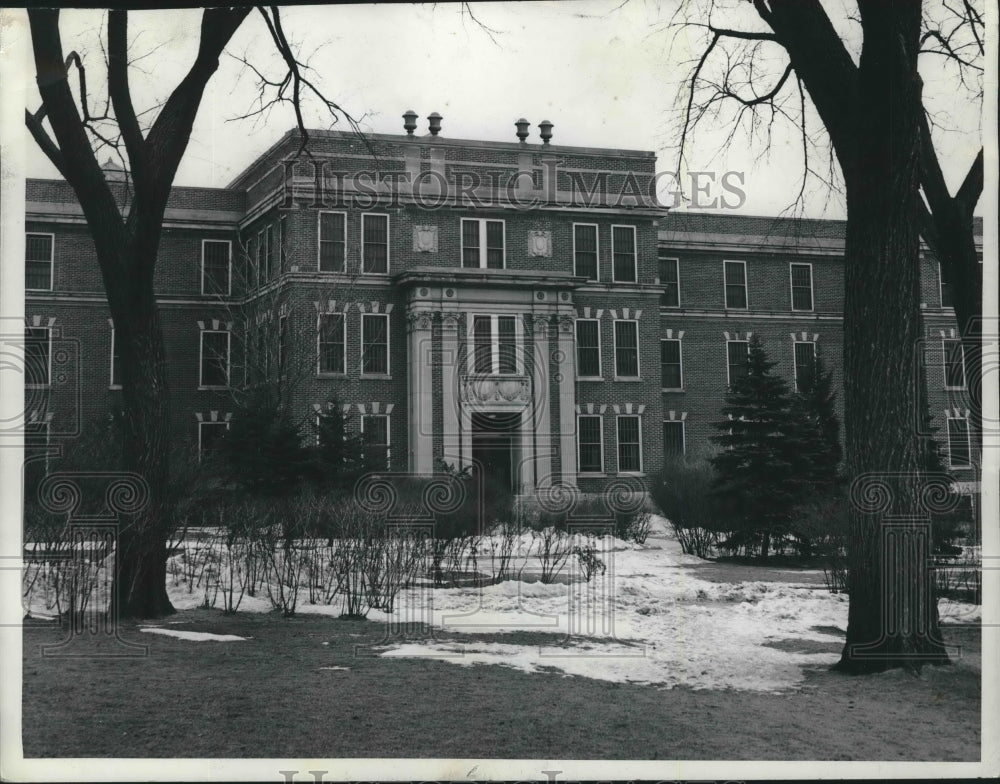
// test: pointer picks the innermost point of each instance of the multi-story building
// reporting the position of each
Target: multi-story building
(527, 307)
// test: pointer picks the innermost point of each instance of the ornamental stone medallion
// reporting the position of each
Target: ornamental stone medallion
(540, 243)
(425, 239)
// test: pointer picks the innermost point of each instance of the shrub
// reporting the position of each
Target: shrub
(684, 495)
(822, 527)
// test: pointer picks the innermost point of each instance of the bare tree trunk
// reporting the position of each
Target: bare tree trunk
(140, 579)
(892, 621)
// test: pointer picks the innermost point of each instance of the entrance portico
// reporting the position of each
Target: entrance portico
(504, 344)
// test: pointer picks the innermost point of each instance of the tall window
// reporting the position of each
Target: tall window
(738, 359)
(736, 284)
(259, 261)
(627, 349)
(37, 356)
(629, 444)
(588, 348)
(482, 243)
(494, 341)
(282, 343)
(38, 262)
(802, 286)
(670, 279)
(283, 243)
(375, 243)
(332, 343)
(670, 364)
(805, 364)
(944, 290)
(116, 374)
(591, 444)
(375, 440)
(959, 451)
(374, 344)
(251, 268)
(211, 436)
(214, 358)
(263, 353)
(272, 251)
(332, 241)
(585, 250)
(215, 267)
(623, 253)
(673, 437)
(954, 364)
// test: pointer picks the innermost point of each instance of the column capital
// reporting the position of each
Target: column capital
(419, 319)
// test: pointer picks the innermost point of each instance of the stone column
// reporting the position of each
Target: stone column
(567, 398)
(539, 413)
(420, 392)
(450, 400)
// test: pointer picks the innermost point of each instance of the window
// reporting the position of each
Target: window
(282, 343)
(670, 364)
(802, 286)
(37, 356)
(251, 265)
(588, 348)
(585, 250)
(375, 440)
(623, 253)
(627, 349)
(495, 341)
(375, 243)
(629, 444)
(215, 271)
(211, 436)
(736, 284)
(591, 444)
(272, 252)
(804, 354)
(673, 437)
(482, 243)
(954, 364)
(738, 360)
(959, 450)
(332, 343)
(116, 374)
(670, 279)
(945, 290)
(263, 354)
(332, 241)
(214, 358)
(374, 344)
(38, 261)
(283, 243)
(258, 267)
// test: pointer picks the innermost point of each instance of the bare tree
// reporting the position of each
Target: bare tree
(126, 227)
(786, 60)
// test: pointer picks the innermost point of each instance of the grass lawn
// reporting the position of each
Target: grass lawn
(269, 696)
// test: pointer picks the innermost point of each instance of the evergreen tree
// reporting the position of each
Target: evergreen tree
(263, 450)
(339, 453)
(756, 483)
(814, 431)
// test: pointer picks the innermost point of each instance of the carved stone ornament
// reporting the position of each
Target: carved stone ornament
(450, 320)
(540, 243)
(425, 239)
(515, 390)
(420, 319)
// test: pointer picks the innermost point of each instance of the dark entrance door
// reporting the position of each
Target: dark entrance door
(493, 443)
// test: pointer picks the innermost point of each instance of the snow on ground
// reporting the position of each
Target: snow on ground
(186, 635)
(648, 619)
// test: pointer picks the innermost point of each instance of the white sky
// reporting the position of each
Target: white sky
(604, 73)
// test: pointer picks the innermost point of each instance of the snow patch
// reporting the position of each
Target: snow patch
(186, 635)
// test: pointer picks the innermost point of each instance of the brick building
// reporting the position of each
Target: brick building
(528, 307)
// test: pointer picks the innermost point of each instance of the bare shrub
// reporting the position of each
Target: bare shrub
(823, 524)
(684, 495)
